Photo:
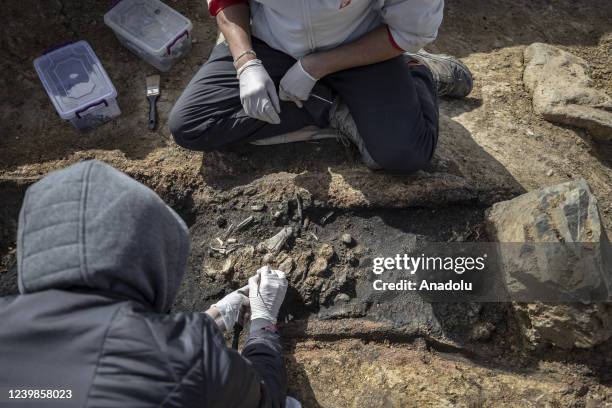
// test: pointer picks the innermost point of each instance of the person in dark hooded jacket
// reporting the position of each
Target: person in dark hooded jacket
(100, 260)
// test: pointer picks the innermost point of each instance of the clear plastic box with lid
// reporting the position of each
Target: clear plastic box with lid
(152, 30)
(78, 85)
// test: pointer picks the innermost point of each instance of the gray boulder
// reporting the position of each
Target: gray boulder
(565, 325)
(556, 260)
(562, 90)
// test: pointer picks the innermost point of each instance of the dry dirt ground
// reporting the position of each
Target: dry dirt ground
(360, 352)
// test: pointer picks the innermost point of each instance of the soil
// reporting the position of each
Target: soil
(341, 350)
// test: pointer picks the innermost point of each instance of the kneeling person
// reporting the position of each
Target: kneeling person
(365, 56)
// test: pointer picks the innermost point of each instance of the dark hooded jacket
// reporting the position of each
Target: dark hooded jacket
(100, 260)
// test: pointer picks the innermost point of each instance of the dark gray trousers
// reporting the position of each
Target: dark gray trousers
(394, 106)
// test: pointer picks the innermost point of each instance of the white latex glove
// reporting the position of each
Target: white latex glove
(258, 92)
(266, 293)
(296, 85)
(232, 307)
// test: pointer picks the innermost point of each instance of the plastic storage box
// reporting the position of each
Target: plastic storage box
(78, 85)
(152, 30)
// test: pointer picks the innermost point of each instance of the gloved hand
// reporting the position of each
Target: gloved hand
(296, 85)
(232, 308)
(258, 92)
(266, 294)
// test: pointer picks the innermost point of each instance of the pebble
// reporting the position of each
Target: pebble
(267, 259)
(228, 266)
(277, 215)
(342, 297)
(257, 207)
(347, 239)
(549, 173)
(287, 265)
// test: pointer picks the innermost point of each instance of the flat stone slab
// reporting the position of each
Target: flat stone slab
(562, 93)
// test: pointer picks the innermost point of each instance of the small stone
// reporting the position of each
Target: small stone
(231, 240)
(327, 252)
(277, 215)
(258, 207)
(347, 239)
(248, 251)
(267, 259)
(318, 267)
(342, 297)
(287, 265)
(321, 263)
(228, 266)
(549, 173)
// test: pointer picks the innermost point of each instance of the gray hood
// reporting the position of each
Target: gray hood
(92, 227)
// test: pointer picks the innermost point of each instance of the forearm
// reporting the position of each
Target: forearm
(235, 25)
(371, 48)
(263, 349)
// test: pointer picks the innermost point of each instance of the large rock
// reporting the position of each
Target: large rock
(554, 249)
(562, 92)
(565, 325)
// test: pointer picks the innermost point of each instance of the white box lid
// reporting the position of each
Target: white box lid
(74, 78)
(150, 24)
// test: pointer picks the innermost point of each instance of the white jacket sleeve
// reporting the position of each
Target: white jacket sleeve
(412, 23)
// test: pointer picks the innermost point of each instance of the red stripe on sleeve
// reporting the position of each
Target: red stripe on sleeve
(215, 6)
(392, 41)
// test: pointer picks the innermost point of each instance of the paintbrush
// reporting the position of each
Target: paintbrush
(152, 95)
